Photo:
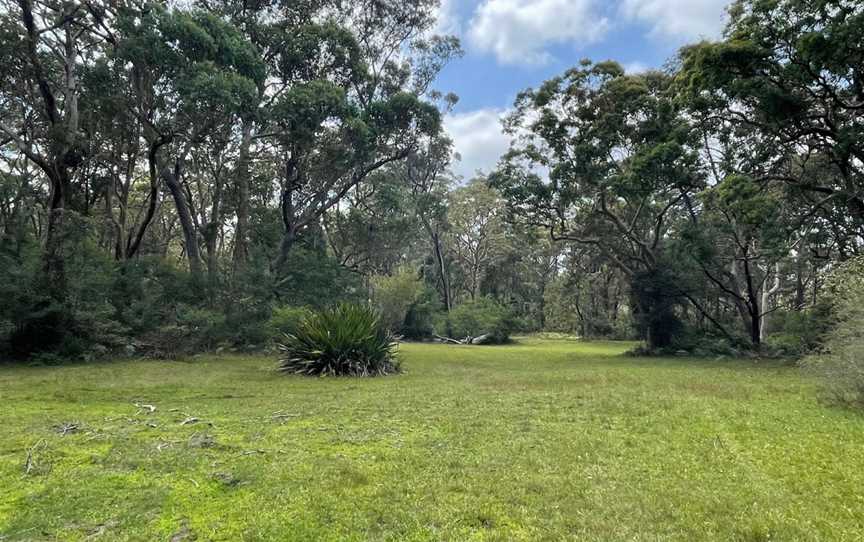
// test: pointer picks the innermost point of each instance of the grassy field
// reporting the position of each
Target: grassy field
(554, 440)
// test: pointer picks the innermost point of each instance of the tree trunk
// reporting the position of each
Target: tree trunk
(134, 244)
(442, 269)
(241, 242)
(190, 235)
(288, 240)
(755, 327)
(766, 302)
(54, 265)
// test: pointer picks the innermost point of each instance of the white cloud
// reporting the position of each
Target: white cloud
(447, 19)
(633, 68)
(478, 138)
(518, 31)
(689, 19)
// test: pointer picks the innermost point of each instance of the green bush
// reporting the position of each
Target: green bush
(799, 332)
(285, 320)
(841, 362)
(394, 295)
(194, 330)
(484, 316)
(348, 340)
(420, 320)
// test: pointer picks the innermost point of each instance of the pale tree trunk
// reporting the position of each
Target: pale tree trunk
(767, 293)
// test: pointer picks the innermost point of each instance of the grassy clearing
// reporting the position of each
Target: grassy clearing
(547, 439)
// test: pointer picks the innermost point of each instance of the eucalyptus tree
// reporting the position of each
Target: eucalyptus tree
(621, 166)
(426, 173)
(793, 72)
(192, 73)
(342, 98)
(46, 46)
(477, 237)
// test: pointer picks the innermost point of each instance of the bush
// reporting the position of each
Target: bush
(285, 321)
(194, 330)
(841, 363)
(799, 332)
(394, 296)
(420, 320)
(348, 340)
(483, 316)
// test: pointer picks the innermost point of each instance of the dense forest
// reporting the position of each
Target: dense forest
(186, 176)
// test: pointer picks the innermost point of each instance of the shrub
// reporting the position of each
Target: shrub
(841, 363)
(483, 316)
(420, 320)
(348, 340)
(394, 296)
(194, 330)
(285, 320)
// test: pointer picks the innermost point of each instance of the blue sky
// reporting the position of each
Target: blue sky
(511, 45)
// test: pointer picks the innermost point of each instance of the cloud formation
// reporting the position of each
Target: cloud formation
(519, 31)
(478, 138)
(690, 19)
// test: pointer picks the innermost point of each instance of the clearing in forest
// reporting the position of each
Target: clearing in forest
(542, 439)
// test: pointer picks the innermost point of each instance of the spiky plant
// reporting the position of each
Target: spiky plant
(347, 340)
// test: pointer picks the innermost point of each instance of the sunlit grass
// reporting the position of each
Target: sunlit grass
(551, 439)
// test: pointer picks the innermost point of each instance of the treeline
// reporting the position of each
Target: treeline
(177, 177)
(723, 190)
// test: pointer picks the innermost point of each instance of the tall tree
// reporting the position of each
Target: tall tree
(621, 169)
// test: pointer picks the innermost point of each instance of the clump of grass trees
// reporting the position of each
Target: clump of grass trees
(346, 340)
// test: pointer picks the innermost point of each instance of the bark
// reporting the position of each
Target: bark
(242, 177)
(766, 302)
(134, 244)
(54, 259)
(288, 240)
(190, 235)
(442, 269)
(212, 231)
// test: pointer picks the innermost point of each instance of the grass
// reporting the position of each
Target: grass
(546, 439)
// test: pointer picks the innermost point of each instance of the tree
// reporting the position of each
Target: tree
(192, 73)
(45, 46)
(621, 167)
(792, 72)
(476, 238)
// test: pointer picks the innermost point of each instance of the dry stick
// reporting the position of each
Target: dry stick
(142, 407)
(30, 463)
(449, 340)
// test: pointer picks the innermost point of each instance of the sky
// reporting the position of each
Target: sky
(511, 45)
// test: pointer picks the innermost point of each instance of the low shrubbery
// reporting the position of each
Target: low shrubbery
(347, 340)
(484, 316)
(841, 361)
(285, 320)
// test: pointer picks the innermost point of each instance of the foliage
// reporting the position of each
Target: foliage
(483, 316)
(395, 295)
(347, 340)
(841, 362)
(285, 320)
(420, 320)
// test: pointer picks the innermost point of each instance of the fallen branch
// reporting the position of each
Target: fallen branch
(253, 452)
(142, 407)
(30, 462)
(479, 339)
(449, 340)
(66, 428)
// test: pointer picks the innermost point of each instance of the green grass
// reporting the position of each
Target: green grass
(548, 439)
